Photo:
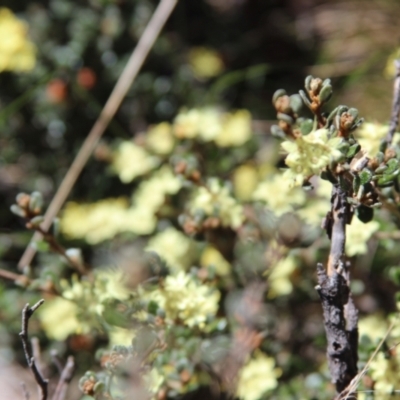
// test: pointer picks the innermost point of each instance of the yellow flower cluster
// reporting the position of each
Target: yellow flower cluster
(357, 236)
(185, 299)
(174, 247)
(17, 53)
(279, 282)
(215, 200)
(257, 377)
(131, 161)
(104, 219)
(210, 124)
(308, 155)
(212, 258)
(159, 139)
(370, 135)
(81, 303)
(278, 193)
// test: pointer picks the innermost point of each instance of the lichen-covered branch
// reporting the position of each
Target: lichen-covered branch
(340, 317)
(339, 311)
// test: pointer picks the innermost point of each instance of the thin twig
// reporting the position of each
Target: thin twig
(25, 392)
(65, 379)
(27, 313)
(121, 88)
(394, 119)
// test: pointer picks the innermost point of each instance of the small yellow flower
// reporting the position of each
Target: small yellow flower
(17, 53)
(159, 139)
(205, 63)
(131, 161)
(211, 257)
(308, 155)
(257, 377)
(245, 180)
(279, 195)
(185, 299)
(236, 129)
(279, 278)
(174, 247)
(94, 222)
(373, 326)
(357, 236)
(216, 200)
(59, 318)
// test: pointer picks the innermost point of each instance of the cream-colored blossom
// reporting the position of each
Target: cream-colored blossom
(357, 236)
(373, 326)
(184, 298)
(257, 377)
(58, 317)
(279, 278)
(159, 139)
(314, 211)
(236, 129)
(211, 257)
(278, 194)
(153, 381)
(120, 336)
(385, 373)
(186, 124)
(17, 53)
(94, 222)
(245, 179)
(205, 62)
(215, 200)
(131, 161)
(174, 247)
(308, 155)
(82, 303)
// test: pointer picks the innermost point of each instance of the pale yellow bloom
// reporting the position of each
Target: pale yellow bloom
(184, 298)
(236, 129)
(153, 381)
(245, 180)
(120, 336)
(357, 236)
(186, 124)
(278, 194)
(314, 211)
(59, 318)
(17, 53)
(279, 278)
(373, 326)
(159, 139)
(308, 155)
(174, 247)
(385, 372)
(205, 123)
(205, 62)
(257, 377)
(216, 200)
(131, 161)
(211, 257)
(94, 222)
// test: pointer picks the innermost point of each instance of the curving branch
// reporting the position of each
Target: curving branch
(394, 119)
(27, 313)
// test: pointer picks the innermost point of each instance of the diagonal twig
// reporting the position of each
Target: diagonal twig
(394, 119)
(120, 90)
(65, 379)
(27, 313)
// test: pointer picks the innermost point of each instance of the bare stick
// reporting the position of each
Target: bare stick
(27, 313)
(121, 88)
(65, 379)
(394, 119)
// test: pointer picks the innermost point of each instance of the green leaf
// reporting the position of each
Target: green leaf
(365, 176)
(41, 246)
(394, 275)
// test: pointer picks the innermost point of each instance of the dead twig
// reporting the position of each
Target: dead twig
(27, 313)
(65, 379)
(121, 88)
